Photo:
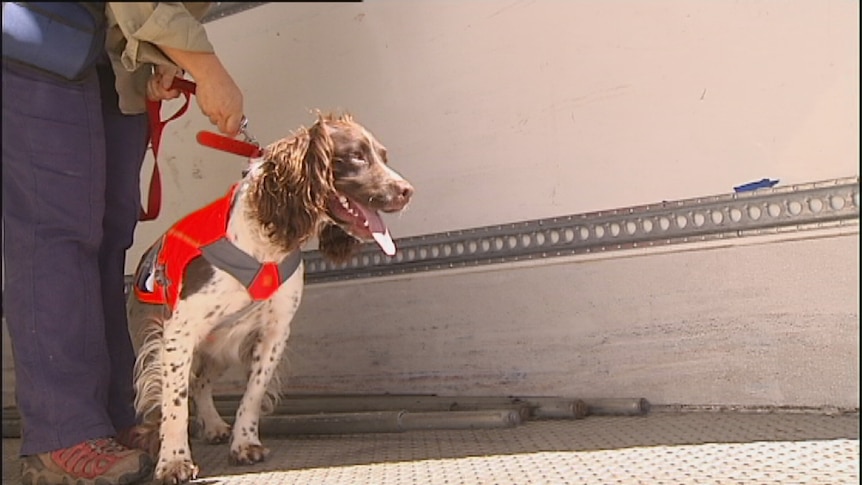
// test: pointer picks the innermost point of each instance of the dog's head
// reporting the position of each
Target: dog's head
(331, 180)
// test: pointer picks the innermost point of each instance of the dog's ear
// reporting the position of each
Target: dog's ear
(291, 195)
(318, 162)
(336, 245)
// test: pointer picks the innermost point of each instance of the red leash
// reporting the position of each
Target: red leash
(154, 111)
(230, 145)
(212, 140)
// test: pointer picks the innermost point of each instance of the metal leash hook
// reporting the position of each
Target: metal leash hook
(243, 128)
(254, 160)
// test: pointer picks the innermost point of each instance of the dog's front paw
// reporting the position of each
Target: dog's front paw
(247, 454)
(217, 434)
(214, 433)
(174, 472)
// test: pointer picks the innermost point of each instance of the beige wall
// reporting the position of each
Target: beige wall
(501, 111)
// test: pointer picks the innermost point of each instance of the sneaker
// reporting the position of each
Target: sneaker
(94, 462)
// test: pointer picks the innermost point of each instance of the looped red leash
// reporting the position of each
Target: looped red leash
(206, 138)
(157, 126)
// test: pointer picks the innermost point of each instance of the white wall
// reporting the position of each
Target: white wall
(501, 111)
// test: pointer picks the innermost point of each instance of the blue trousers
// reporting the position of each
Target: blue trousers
(71, 197)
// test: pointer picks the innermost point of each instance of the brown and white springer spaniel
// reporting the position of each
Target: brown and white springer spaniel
(331, 181)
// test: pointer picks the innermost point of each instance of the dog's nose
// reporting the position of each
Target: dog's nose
(405, 190)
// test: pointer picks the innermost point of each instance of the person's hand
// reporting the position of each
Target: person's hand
(218, 96)
(159, 84)
(221, 100)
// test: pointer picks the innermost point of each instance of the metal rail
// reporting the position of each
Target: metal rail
(225, 9)
(791, 208)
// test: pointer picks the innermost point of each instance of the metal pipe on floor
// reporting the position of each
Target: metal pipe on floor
(528, 407)
(524, 411)
(368, 403)
(484, 419)
(556, 408)
(333, 423)
(618, 406)
(341, 404)
(385, 422)
(11, 427)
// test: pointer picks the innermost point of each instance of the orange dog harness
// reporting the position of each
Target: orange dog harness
(159, 277)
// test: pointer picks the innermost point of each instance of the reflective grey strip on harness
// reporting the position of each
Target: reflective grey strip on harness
(224, 255)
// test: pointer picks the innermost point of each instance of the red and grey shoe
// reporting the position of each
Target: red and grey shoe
(100, 461)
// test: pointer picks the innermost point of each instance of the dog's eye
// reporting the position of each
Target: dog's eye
(357, 158)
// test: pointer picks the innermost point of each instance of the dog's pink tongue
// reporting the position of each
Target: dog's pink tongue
(378, 229)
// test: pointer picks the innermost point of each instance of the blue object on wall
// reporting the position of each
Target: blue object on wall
(762, 183)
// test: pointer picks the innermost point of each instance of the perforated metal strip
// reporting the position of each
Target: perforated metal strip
(791, 208)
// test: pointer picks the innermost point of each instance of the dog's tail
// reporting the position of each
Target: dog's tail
(146, 329)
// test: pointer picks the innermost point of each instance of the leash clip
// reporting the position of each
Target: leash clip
(243, 128)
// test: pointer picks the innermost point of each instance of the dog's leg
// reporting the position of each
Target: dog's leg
(215, 430)
(175, 463)
(191, 322)
(246, 447)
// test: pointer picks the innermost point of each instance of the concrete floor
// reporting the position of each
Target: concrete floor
(660, 448)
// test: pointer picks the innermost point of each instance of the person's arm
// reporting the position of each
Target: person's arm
(167, 34)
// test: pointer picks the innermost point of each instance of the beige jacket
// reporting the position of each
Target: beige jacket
(135, 29)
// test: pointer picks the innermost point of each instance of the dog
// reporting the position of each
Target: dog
(221, 286)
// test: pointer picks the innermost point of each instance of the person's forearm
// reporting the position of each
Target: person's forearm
(200, 65)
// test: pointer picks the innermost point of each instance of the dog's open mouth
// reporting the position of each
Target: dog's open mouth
(362, 222)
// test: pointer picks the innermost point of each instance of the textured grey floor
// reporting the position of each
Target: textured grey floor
(661, 448)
